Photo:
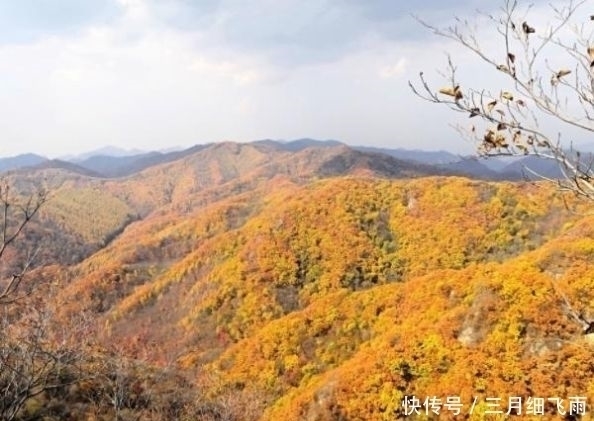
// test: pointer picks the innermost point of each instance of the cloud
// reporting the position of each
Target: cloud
(26, 21)
(153, 72)
(238, 72)
(288, 33)
(394, 70)
(294, 33)
(134, 10)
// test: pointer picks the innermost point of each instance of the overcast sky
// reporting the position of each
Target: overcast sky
(154, 74)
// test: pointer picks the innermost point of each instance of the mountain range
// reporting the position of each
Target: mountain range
(302, 280)
(113, 162)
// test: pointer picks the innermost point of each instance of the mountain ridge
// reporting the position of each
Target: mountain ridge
(126, 163)
(20, 161)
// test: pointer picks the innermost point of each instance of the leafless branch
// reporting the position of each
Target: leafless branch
(509, 118)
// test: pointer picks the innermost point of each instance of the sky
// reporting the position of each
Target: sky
(77, 75)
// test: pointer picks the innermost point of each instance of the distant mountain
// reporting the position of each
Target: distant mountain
(114, 162)
(172, 149)
(109, 150)
(298, 144)
(65, 165)
(222, 162)
(430, 162)
(476, 168)
(469, 166)
(116, 166)
(183, 181)
(498, 163)
(425, 157)
(121, 166)
(527, 166)
(351, 160)
(20, 161)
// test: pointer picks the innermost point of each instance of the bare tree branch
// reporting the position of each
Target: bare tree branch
(509, 119)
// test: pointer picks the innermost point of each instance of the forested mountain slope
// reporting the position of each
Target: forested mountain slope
(328, 285)
(85, 213)
(298, 289)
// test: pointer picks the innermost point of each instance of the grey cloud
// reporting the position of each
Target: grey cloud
(289, 32)
(26, 20)
(382, 10)
(302, 32)
(394, 20)
(185, 14)
(298, 33)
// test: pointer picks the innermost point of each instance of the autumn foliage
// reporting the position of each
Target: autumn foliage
(330, 298)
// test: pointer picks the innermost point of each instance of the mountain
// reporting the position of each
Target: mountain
(476, 168)
(531, 167)
(121, 166)
(230, 168)
(178, 182)
(298, 144)
(498, 163)
(63, 165)
(117, 166)
(353, 288)
(113, 151)
(247, 281)
(124, 163)
(185, 180)
(20, 161)
(113, 162)
(425, 157)
(493, 168)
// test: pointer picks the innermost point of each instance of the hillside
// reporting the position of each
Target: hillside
(324, 283)
(20, 161)
(298, 291)
(72, 225)
(226, 169)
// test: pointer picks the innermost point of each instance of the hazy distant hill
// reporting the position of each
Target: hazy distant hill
(492, 169)
(64, 165)
(425, 157)
(118, 166)
(20, 161)
(465, 165)
(113, 162)
(298, 144)
(229, 168)
(498, 163)
(121, 166)
(476, 168)
(524, 167)
(104, 151)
